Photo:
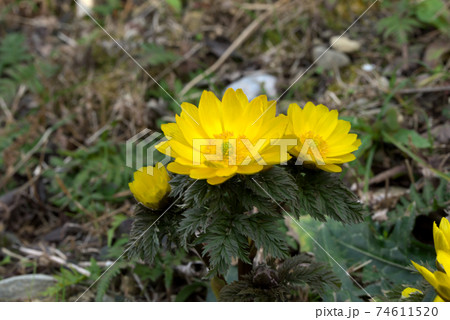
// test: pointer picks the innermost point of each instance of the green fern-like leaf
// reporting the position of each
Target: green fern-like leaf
(265, 231)
(144, 241)
(323, 194)
(302, 269)
(105, 281)
(221, 242)
(195, 219)
(272, 282)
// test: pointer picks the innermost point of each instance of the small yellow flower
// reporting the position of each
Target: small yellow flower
(408, 291)
(322, 139)
(222, 138)
(150, 185)
(440, 279)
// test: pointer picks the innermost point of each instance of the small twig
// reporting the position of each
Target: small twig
(20, 92)
(58, 260)
(121, 194)
(410, 171)
(8, 113)
(387, 174)
(27, 156)
(424, 90)
(141, 286)
(14, 255)
(357, 267)
(236, 43)
(102, 264)
(97, 134)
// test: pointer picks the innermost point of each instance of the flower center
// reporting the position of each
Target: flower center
(234, 150)
(313, 144)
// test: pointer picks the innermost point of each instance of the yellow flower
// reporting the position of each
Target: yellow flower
(150, 185)
(408, 291)
(322, 139)
(440, 279)
(441, 236)
(222, 138)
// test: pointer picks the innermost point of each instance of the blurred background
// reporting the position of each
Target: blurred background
(71, 96)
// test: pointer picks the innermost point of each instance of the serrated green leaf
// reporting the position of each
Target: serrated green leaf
(265, 232)
(322, 194)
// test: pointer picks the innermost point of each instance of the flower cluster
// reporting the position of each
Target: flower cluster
(233, 159)
(220, 139)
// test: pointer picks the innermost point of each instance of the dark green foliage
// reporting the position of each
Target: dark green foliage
(229, 236)
(223, 221)
(322, 194)
(218, 214)
(276, 182)
(144, 240)
(221, 242)
(301, 269)
(195, 219)
(106, 279)
(151, 232)
(240, 192)
(266, 233)
(268, 282)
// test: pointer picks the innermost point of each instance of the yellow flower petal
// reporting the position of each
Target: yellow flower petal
(217, 180)
(428, 275)
(443, 285)
(189, 111)
(232, 110)
(443, 257)
(408, 291)
(444, 226)
(178, 168)
(210, 113)
(226, 172)
(150, 185)
(440, 241)
(203, 173)
(250, 169)
(330, 168)
(327, 125)
(190, 131)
